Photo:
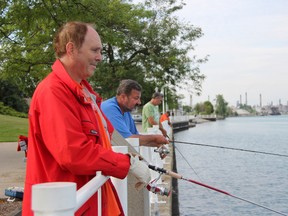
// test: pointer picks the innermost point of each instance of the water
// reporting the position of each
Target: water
(259, 178)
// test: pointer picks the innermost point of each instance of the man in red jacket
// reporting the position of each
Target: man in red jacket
(69, 137)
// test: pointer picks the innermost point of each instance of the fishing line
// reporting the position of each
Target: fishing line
(231, 148)
(188, 163)
(192, 169)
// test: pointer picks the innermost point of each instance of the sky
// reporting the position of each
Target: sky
(247, 41)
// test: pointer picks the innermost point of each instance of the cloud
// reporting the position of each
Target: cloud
(248, 46)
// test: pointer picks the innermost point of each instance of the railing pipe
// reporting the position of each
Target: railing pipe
(89, 189)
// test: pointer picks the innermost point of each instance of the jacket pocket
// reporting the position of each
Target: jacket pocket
(90, 130)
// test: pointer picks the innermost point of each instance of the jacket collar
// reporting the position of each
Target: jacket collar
(75, 87)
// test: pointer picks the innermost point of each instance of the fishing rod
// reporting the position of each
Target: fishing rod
(231, 148)
(178, 176)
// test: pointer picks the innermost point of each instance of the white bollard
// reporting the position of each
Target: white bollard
(55, 198)
(120, 185)
(153, 159)
(134, 142)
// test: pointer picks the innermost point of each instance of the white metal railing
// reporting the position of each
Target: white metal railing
(179, 118)
(89, 189)
(208, 116)
(61, 198)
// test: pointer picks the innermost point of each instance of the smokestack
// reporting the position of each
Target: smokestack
(260, 100)
(246, 98)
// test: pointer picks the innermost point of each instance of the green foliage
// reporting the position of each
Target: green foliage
(199, 107)
(187, 109)
(141, 42)
(11, 127)
(209, 109)
(205, 108)
(221, 106)
(11, 96)
(247, 108)
(6, 110)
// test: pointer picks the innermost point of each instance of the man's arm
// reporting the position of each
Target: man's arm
(164, 132)
(152, 121)
(150, 140)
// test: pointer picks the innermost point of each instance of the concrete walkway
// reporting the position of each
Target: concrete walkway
(12, 167)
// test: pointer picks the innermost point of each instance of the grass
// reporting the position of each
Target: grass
(11, 127)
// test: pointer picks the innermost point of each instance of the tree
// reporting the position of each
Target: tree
(199, 108)
(221, 106)
(187, 109)
(247, 108)
(11, 96)
(144, 42)
(208, 107)
(205, 108)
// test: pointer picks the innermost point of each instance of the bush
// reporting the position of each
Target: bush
(5, 110)
(11, 96)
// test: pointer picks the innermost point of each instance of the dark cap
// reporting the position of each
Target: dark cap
(157, 94)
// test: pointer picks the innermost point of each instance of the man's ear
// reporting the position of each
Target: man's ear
(122, 96)
(70, 48)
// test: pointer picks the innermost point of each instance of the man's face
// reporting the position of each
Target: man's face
(88, 55)
(131, 101)
(158, 100)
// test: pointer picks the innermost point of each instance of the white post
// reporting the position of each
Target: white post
(164, 100)
(154, 159)
(54, 198)
(121, 186)
(134, 142)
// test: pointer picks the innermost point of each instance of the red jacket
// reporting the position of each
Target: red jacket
(64, 140)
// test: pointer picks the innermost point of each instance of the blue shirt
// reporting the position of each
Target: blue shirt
(123, 123)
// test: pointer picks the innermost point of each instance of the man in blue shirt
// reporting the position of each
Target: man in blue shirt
(117, 110)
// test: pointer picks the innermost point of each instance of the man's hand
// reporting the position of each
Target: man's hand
(140, 170)
(160, 140)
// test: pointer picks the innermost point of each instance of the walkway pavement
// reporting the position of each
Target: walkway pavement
(12, 167)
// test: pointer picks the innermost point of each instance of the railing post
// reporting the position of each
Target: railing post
(121, 186)
(54, 198)
(146, 197)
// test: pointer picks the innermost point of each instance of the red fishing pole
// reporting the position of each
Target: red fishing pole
(178, 176)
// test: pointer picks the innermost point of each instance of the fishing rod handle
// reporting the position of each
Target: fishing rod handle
(174, 175)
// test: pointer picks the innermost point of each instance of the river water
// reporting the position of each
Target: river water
(260, 178)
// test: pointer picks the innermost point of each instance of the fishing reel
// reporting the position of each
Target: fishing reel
(163, 151)
(154, 188)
